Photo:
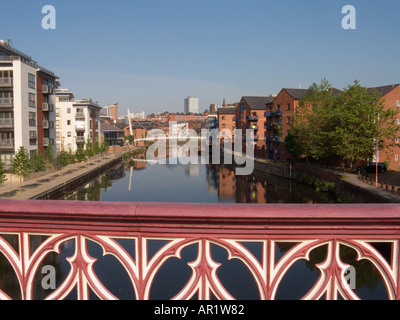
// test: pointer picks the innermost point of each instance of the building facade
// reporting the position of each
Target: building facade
(191, 105)
(26, 104)
(77, 121)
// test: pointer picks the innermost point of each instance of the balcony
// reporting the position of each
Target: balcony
(198, 251)
(6, 102)
(274, 139)
(79, 115)
(273, 113)
(46, 142)
(252, 127)
(6, 123)
(46, 124)
(6, 143)
(252, 118)
(80, 139)
(6, 82)
(47, 90)
(80, 128)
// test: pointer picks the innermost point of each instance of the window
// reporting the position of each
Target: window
(32, 100)
(397, 140)
(288, 120)
(69, 134)
(68, 110)
(223, 117)
(32, 137)
(31, 81)
(288, 106)
(397, 121)
(396, 157)
(68, 122)
(32, 119)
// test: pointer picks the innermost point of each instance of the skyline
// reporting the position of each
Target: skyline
(151, 55)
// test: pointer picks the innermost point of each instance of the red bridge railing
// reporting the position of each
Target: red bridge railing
(197, 251)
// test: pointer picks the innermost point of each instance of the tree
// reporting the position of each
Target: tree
(104, 146)
(2, 174)
(312, 125)
(96, 147)
(346, 125)
(49, 157)
(21, 165)
(131, 139)
(89, 148)
(363, 125)
(80, 153)
(37, 162)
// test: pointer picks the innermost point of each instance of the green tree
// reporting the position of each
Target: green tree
(96, 147)
(49, 157)
(89, 149)
(37, 162)
(131, 139)
(104, 146)
(21, 166)
(363, 124)
(80, 153)
(65, 158)
(2, 174)
(312, 125)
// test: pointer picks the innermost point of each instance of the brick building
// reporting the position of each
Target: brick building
(391, 98)
(250, 114)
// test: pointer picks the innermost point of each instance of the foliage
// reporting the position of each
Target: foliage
(2, 174)
(80, 153)
(346, 125)
(96, 147)
(131, 139)
(89, 149)
(21, 165)
(37, 162)
(104, 146)
(65, 158)
(49, 157)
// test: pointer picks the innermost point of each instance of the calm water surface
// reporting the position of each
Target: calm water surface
(195, 183)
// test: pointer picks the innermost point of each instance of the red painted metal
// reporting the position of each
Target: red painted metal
(182, 225)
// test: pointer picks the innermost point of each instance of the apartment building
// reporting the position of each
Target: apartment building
(26, 104)
(110, 111)
(191, 105)
(76, 121)
(250, 114)
(391, 99)
(226, 123)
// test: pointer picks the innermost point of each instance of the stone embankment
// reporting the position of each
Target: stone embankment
(55, 183)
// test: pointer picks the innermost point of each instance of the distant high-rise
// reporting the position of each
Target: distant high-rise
(191, 105)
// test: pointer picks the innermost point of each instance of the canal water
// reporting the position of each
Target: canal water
(141, 181)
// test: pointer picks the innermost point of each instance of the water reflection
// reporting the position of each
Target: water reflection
(137, 180)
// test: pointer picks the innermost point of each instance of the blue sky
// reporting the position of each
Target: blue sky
(149, 55)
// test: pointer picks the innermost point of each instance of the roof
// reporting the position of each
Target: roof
(384, 90)
(258, 102)
(299, 93)
(226, 110)
(108, 127)
(296, 93)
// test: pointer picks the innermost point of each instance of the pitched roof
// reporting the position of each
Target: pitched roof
(228, 110)
(298, 93)
(258, 103)
(109, 127)
(384, 90)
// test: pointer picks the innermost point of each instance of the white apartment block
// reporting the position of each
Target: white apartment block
(27, 101)
(191, 105)
(77, 121)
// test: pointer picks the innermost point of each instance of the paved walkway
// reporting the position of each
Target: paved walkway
(34, 187)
